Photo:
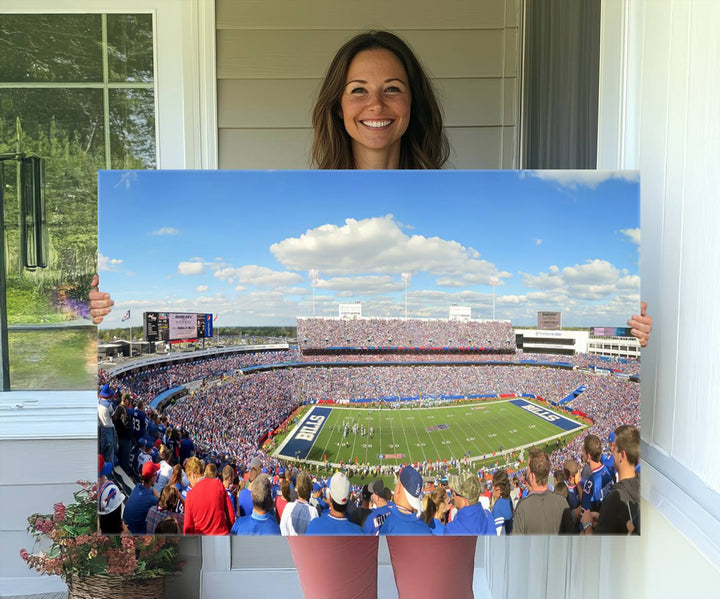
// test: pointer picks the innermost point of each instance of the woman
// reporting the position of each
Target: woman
(435, 515)
(501, 505)
(376, 109)
(167, 507)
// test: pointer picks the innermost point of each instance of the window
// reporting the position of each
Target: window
(78, 91)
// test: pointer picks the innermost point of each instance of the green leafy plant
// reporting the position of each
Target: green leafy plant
(67, 544)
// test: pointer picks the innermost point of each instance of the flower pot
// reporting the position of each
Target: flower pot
(117, 587)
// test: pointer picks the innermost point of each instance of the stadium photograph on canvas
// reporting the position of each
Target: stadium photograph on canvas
(448, 322)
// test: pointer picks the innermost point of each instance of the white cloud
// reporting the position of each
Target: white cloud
(370, 284)
(594, 280)
(632, 234)
(191, 268)
(166, 231)
(201, 288)
(538, 241)
(108, 264)
(258, 276)
(584, 178)
(379, 245)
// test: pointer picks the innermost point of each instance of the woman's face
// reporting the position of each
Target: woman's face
(375, 103)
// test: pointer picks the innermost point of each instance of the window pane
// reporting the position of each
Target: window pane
(50, 48)
(53, 359)
(132, 128)
(130, 48)
(52, 119)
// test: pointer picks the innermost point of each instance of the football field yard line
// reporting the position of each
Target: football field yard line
(420, 440)
(430, 436)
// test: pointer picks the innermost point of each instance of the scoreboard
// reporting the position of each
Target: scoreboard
(176, 326)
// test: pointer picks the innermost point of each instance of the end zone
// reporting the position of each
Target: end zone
(300, 441)
(558, 420)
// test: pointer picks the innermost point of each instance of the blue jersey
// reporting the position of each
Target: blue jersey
(255, 524)
(401, 523)
(330, 525)
(375, 519)
(472, 520)
(136, 509)
(596, 487)
(503, 514)
(139, 424)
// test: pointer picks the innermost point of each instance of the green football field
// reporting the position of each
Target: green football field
(481, 428)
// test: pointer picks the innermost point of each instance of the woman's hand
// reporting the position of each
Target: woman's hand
(641, 325)
(100, 303)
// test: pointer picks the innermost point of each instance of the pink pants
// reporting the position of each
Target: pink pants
(347, 566)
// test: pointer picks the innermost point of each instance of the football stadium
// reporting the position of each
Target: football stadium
(372, 394)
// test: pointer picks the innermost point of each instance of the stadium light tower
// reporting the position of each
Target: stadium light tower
(494, 282)
(406, 280)
(313, 283)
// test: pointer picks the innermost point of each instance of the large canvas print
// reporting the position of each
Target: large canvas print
(446, 323)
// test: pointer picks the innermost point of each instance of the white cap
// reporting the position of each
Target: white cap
(110, 499)
(339, 488)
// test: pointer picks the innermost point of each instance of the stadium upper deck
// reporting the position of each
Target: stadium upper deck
(368, 334)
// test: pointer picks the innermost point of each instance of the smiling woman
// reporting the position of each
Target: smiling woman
(377, 109)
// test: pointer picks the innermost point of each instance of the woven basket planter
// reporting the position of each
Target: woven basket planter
(118, 587)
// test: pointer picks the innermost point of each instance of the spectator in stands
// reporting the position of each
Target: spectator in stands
(297, 514)
(541, 511)
(599, 482)
(261, 521)
(502, 509)
(436, 510)
(381, 508)
(123, 430)
(187, 447)
(166, 470)
(176, 480)
(358, 514)
(142, 498)
(335, 522)
(405, 518)
(110, 500)
(619, 512)
(282, 500)
(245, 505)
(228, 479)
(106, 427)
(471, 517)
(210, 471)
(208, 510)
(168, 506)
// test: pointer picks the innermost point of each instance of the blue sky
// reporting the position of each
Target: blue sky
(240, 244)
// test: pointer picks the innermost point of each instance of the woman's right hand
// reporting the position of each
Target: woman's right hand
(100, 303)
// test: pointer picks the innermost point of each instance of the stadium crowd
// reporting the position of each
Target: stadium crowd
(211, 496)
(321, 333)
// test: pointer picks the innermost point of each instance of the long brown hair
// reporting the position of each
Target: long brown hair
(424, 144)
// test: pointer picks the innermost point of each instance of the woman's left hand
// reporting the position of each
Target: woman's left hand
(641, 325)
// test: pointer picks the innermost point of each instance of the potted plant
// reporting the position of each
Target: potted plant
(67, 544)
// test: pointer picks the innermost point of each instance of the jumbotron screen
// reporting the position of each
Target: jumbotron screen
(176, 326)
(611, 332)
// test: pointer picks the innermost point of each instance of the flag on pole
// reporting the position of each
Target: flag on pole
(125, 316)
(214, 319)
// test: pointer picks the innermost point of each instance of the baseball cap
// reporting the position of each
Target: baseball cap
(106, 391)
(110, 499)
(104, 468)
(378, 487)
(317, 487)
(412, 482)
(339, 488)
(149, 468)
(366, 492)
(467, 486)
(611, 437)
